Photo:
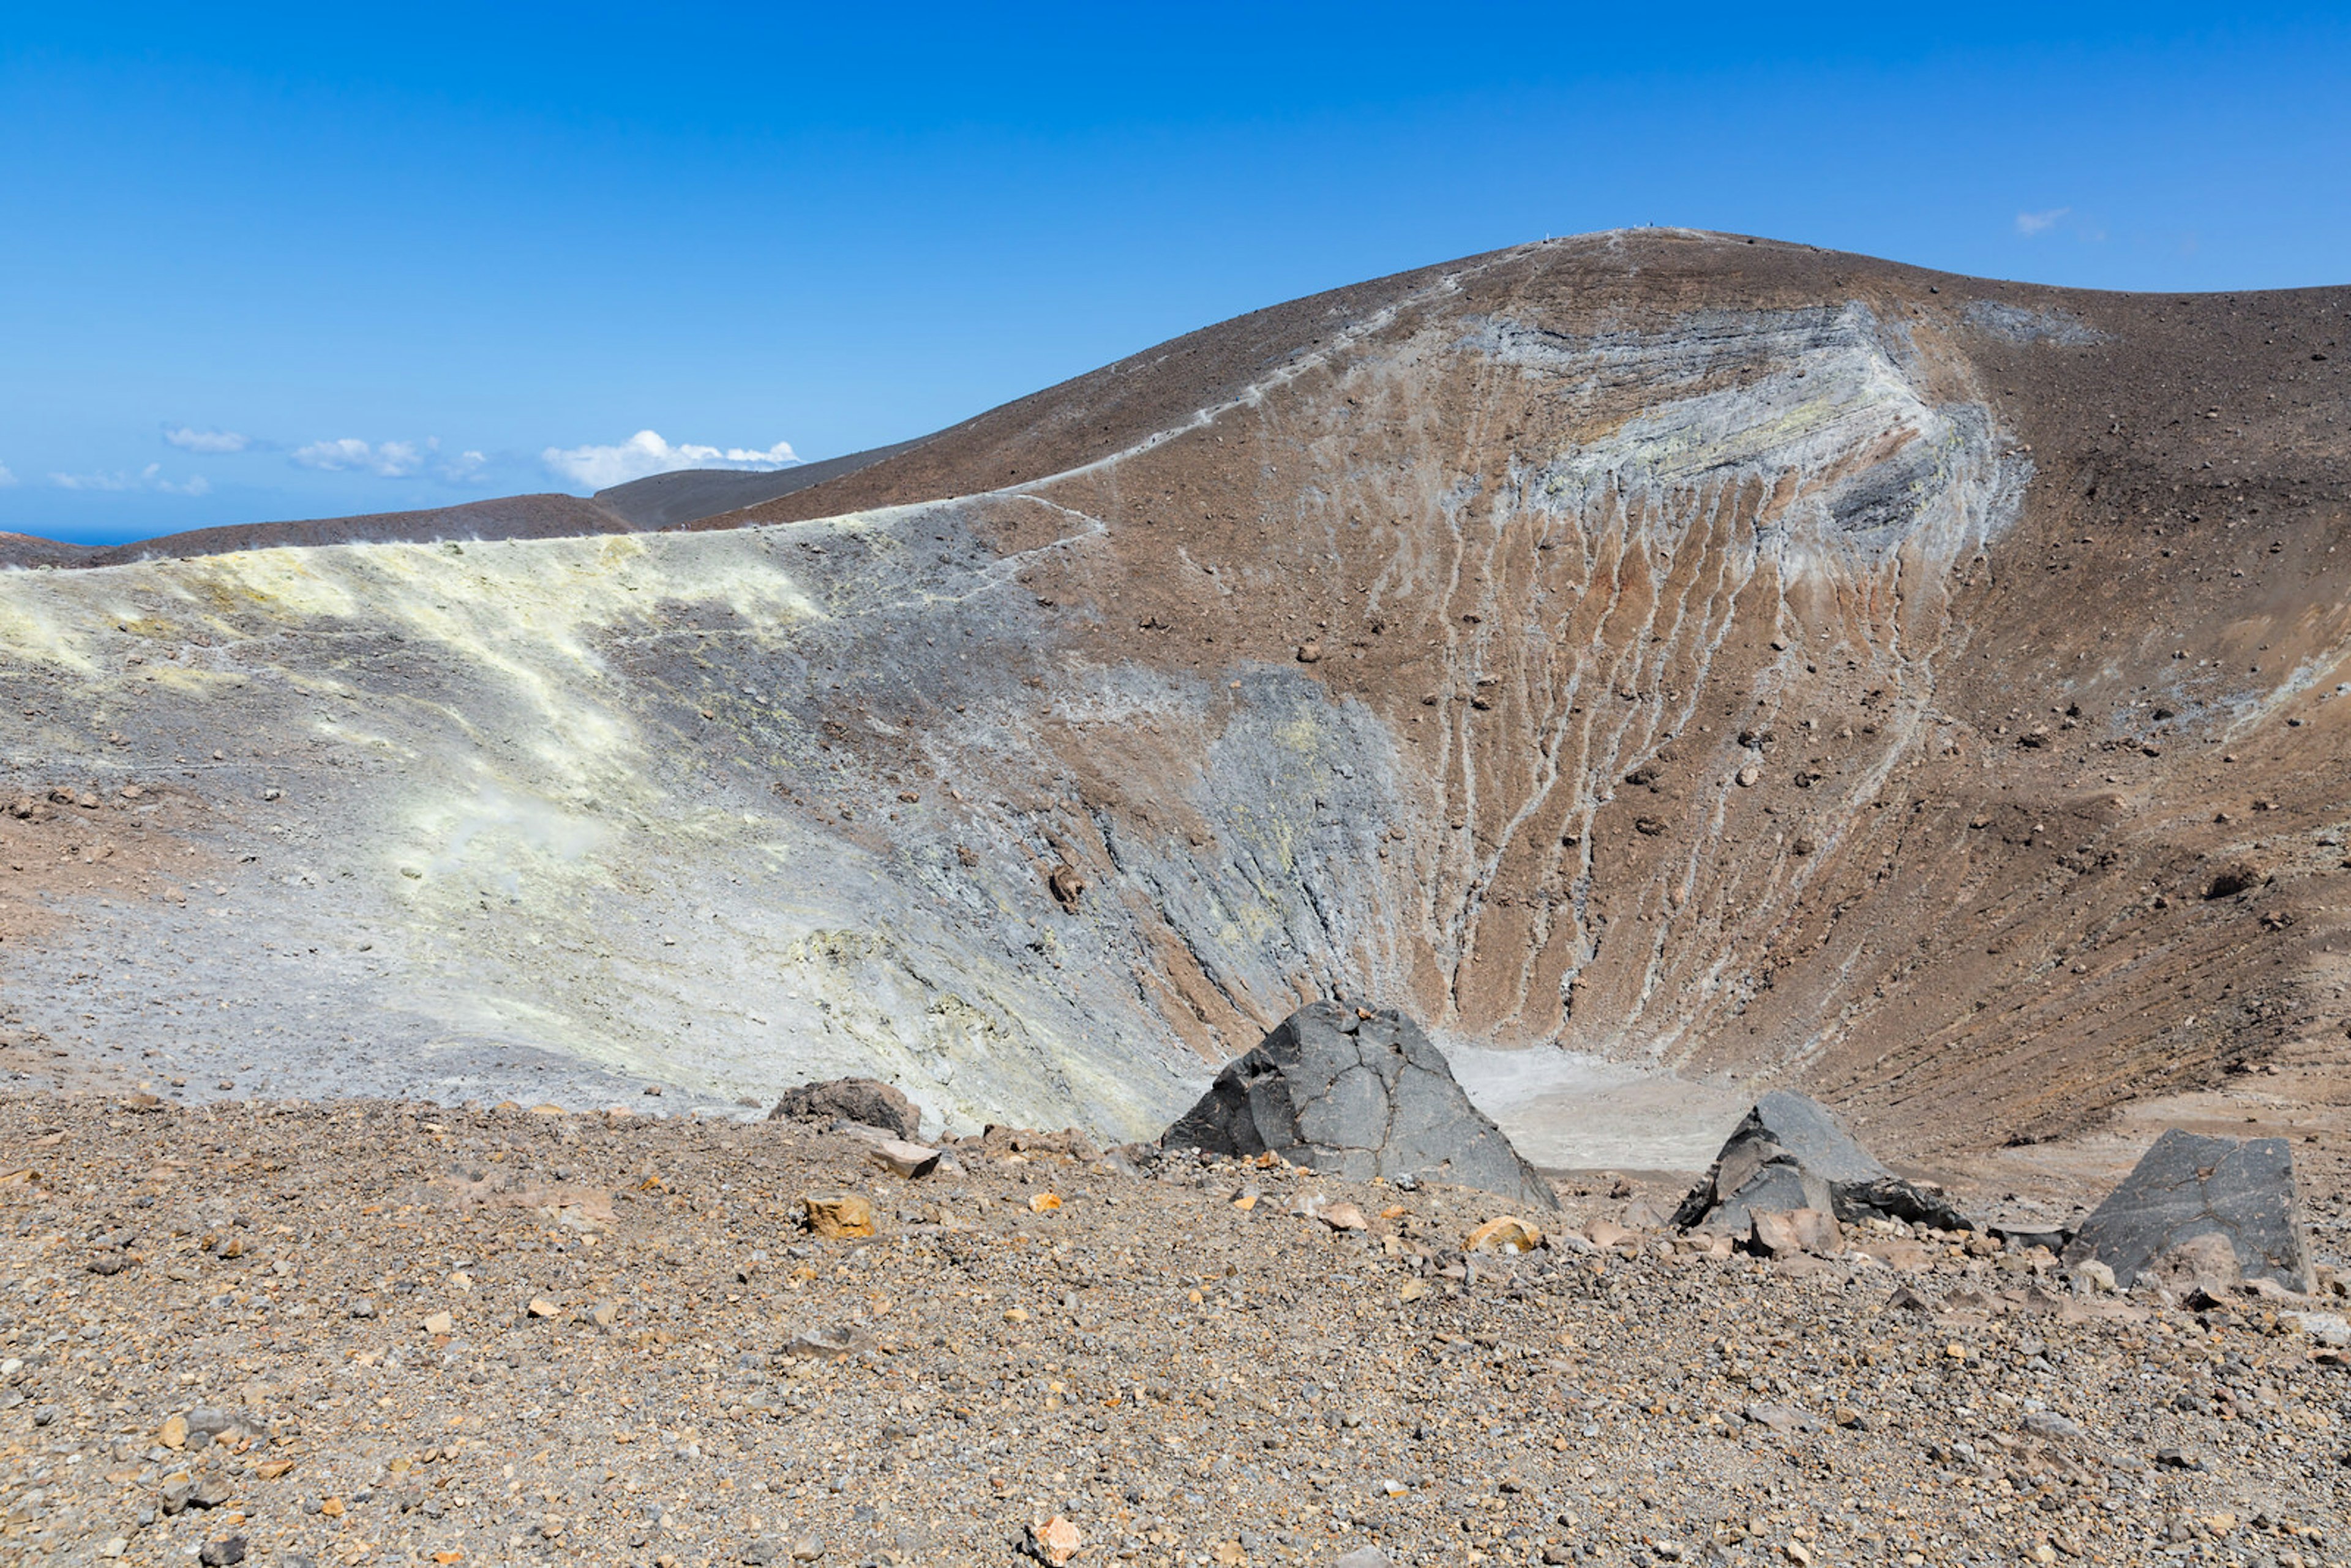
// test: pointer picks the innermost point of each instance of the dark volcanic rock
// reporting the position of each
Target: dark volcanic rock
(1358, 1097)
(2189, 1187)
(1791, 1153)
(864, 1099)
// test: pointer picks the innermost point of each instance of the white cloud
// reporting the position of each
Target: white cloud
(645, 453)
(387, 459)
(7, 478)
(2031, 223)
(190, 439)
(148, 478)
(465, 468)
(394, 459)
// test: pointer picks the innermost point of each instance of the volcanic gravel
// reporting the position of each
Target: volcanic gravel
(386, 1332)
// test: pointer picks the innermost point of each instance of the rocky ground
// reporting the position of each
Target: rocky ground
(398, 1332)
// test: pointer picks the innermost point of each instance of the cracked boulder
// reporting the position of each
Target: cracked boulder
(1791, 1153)
(1359, 1097)
(2190, 1194)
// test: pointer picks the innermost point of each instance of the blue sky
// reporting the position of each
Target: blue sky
(262, 262)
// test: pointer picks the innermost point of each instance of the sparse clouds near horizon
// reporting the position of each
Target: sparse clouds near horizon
(148, 478)
(2085, 228)
(392, 459)
(516, 231)
(646, 454)
(190, 439)
(385, 459)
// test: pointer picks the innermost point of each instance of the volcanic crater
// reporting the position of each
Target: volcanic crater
(1708, 655)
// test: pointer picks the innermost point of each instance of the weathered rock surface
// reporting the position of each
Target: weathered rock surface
(2188, 1187)
(1791, 1153)
(1358, 1096)
(865, 1101)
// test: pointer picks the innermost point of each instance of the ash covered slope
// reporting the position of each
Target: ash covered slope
(1691, 649)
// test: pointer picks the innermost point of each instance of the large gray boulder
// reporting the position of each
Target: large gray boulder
(2187, 1188)
(1790, 1152)
(1358, 1097)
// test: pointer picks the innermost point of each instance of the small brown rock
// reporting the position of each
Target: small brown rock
(1055, 1542)
(1606, 1233)
(845, 1215)
(1505, 1233)
(913, 1161)
(1777, 1233)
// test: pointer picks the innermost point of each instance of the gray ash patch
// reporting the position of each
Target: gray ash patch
(2019, 324)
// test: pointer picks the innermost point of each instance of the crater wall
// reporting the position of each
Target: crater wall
(1699, 654)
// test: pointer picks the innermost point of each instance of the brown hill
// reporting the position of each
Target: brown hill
(541, 516)
(692, 495)
(658, 501)
(1699, 652)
